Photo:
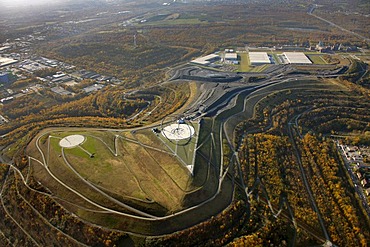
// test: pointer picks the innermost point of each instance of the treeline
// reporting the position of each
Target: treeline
(109, 56)
(346, 223)
(106, 103)
(109, 102)
(337, 119)
(269, 159)
(217, 231)
(273, 112)
(358, 139)
(321, 111)
(67, 223)
(356, 70)
(145, 56)
(45, 72)
(108, 109)
(244, 24)
(26, 105)
(23, 83)
(44, 219)
(271, 173)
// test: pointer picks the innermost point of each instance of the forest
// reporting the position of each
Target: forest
(108, 108)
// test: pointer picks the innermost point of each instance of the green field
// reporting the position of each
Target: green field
(136, 172)
(137, 168)
(185, 148)
(277, 60)
(133, 166)
(317, 59)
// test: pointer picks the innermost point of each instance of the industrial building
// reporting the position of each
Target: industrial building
(3, 48)
(61, 91)
(296, 58)
(93, 88)
(258, 58)
(206, 60)
(4, 61)
(31, 66)
(231, 56)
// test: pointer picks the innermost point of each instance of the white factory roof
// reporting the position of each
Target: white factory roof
(93, 88)
(199, 61)
(231, 56)
(4, 61)
(58, 75)
(205, 60)
(4, 48)
(297, 58)
(258, 57)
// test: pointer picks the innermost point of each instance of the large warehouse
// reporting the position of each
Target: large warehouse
(231, 56)
(4, 61)
(257, 58)
(206, 60)
(296, 58)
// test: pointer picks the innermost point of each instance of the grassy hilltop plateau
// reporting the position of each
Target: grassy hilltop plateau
(185, 123)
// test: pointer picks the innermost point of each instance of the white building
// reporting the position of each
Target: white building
(206, 60)
(231, 56)
(4, 61)
(296, 58)
(257, 58)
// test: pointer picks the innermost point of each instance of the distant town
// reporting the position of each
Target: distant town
(23, 65)
(66, 79)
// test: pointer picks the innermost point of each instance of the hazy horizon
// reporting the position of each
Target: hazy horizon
(25, 3)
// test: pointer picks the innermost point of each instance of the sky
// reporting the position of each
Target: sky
(25, 3)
